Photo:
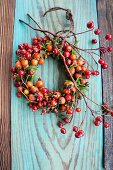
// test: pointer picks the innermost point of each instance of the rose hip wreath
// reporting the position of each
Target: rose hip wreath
(62, 102)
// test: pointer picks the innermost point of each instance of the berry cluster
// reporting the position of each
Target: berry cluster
(62, 102)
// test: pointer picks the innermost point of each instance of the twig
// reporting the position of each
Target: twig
(40, 30)
(69, 15)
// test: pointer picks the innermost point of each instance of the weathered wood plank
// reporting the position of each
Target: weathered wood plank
(105, 19)
(36, 140)
(6, 36)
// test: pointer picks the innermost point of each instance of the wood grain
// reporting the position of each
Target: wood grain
(105, 16)
(6, 32)
(36, 140)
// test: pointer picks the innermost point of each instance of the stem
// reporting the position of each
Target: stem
(35, 23)
(54, 9)
(84, 50)
(88, 53)
(75, 82)
(64, 31)
(69, 15)
(95, 53)
(74, 47)
(90, 49)
(28, 99)
(27, 79)
(33, 20)
(83, 119)
(40, 30)
(71, 118)
(84, 32)
(83, 58)
(23, 82)
(88, 107)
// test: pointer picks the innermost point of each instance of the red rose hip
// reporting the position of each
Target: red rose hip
(94, 41)
(108, 37)
(63, 130)
(79, 134)
(90, 25)
(106, 125)
(75, 128)
(97, 31)
(105, 66)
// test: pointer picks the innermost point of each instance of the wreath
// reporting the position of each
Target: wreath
(62, 102)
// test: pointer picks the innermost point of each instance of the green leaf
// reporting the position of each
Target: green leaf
(76, 42)
(42, 52)
(18, 78)
(33, 68)
(83, 88)
(73, 52)
(48, 42)
(68, 80)
(30, 78)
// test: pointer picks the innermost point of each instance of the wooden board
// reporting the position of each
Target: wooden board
(54, 147)
(6, 37)
(105, 20)
(36, 140)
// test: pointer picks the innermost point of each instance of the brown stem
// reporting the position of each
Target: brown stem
(33, 20)
(84, 50)
(84, 96)
(54, 9)
(23, 82)
(74, 34)
(40, 30)
(83, 119)
(64, 31)
(82, 57)
(36, 23)
(72, 76)
(95, 53)
(27, 79)
(69, 15)
(88, 53)
(84, 32)
(28, 99)
(88, 107)
(90, 49)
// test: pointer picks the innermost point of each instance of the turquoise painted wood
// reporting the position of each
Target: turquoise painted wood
(37, 143)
